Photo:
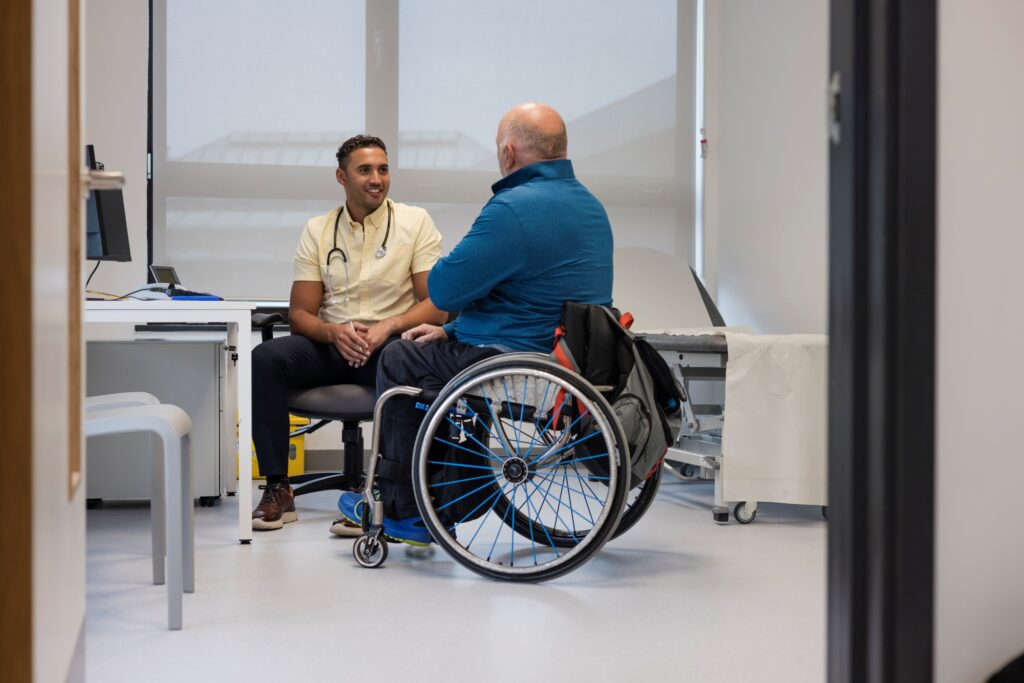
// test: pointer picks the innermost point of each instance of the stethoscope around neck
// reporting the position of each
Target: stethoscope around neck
(381, 252)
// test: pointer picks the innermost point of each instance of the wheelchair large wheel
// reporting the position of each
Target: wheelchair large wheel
(637, 502)
(507, 429)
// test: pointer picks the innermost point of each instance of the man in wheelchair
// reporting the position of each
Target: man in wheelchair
(541, 240)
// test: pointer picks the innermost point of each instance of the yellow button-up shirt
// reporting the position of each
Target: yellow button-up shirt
(377, 288)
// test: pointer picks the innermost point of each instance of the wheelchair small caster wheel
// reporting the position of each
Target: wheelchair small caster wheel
(689, 471)
(824, 511)
(721, 517)
(369, 551)
(740, 514)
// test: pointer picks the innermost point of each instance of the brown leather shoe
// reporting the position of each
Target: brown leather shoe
(276, 508)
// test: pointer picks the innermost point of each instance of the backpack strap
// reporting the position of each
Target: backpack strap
(562, 353)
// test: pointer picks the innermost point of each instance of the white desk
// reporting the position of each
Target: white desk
(237, 316)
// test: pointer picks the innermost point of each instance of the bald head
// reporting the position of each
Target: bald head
(528, 133)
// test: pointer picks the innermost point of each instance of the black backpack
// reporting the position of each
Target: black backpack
(595, 342)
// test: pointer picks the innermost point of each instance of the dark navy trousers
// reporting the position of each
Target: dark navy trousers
(293, 362)
(423, 365)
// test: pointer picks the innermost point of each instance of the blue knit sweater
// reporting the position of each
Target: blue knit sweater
(542, 239)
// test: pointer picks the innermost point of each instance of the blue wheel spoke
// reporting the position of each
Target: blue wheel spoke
(462, 481)
(541, 430)
(522, 405)
(456, 444)
(579, 491)
(560, 463)
(481, 420)
(565, 447)
(570, 528)
(504, 520)
(489, 468)
(508, 402)
(518, 432)
(464, 495)
(533, 542)
(512, 551)
(588, 477)
(535, 510)
(585, 481)
(551, 543)
(483, 517)
(473, 439)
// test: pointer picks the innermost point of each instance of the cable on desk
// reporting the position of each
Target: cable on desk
(89, 279)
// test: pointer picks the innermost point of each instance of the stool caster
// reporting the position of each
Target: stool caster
(370, 550)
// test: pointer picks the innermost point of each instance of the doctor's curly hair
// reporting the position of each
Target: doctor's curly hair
(354, 143)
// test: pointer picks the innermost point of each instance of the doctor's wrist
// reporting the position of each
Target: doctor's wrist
(391, 326)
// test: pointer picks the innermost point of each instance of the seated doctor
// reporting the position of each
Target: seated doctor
(542, 239)
(360, 280)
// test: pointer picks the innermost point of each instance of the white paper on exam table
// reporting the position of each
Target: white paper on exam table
(774, 439)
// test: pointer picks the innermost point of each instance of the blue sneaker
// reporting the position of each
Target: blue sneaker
(412, 530)
(351, 506)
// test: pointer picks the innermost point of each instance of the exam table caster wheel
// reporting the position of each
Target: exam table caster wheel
(369, 551)
(740, 514)
(689, 471)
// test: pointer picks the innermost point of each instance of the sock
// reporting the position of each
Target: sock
(278, 479)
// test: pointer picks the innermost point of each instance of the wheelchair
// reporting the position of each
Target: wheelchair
(520, 471)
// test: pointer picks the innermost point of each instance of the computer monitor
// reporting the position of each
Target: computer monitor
(106, 229)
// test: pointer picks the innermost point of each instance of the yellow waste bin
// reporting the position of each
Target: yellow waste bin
(296, 451)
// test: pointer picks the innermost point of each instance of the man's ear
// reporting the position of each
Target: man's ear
(508, 153)
(340, 175)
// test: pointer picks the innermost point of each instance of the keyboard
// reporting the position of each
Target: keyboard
(181, 293)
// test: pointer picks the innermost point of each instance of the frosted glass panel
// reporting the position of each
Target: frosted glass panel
(612, 77)
(255, 239)
(263, 81)
(252, 98)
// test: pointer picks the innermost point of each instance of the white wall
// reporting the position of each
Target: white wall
(766, 217)
(114, 99)
(979, 583)
(58, 524)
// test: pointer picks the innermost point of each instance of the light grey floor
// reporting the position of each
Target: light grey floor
(677, 598)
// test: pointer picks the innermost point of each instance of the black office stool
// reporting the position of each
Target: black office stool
(349, 404)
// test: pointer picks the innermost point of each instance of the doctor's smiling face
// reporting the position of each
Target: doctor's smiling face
(366, 179)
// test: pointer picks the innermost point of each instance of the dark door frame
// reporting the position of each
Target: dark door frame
(882, 202)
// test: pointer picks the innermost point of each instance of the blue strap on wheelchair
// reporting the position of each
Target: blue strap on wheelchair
(428, 396)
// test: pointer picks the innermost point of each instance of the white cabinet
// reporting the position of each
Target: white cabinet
(188, 373)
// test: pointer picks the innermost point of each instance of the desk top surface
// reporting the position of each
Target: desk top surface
(169, 305)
